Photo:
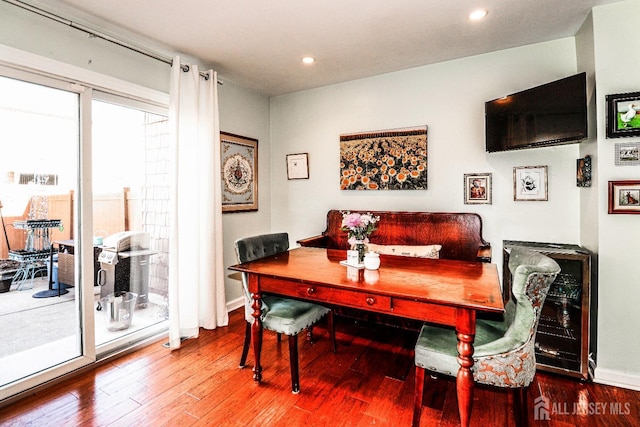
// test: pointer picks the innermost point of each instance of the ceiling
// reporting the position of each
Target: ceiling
(259, 44)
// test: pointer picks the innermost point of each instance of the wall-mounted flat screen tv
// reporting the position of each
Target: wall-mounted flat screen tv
(552, 114)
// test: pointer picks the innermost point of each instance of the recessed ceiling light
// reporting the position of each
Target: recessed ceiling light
(308, 60)
(478, 14)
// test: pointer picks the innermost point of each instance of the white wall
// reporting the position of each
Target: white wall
(246, 113)
(33, 33)
(617, 71)
(242, 111)
(589, 195)
(449, 98)
(589, 213)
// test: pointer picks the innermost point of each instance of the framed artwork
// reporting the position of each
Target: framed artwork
(623, 117)
(384, 160)
(298, 166)
(239, 165)
(624, 197)
(627, 154)
(530, 183)
(583, 172)
(477, 188)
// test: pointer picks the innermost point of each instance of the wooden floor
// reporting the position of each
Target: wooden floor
(368, 382)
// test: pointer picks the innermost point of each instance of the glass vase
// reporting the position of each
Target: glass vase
(359, 246)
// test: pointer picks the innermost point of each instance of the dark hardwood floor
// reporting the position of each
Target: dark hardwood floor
(368, 382)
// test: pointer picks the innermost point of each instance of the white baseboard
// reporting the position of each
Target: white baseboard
(616, 378)
(236, 303)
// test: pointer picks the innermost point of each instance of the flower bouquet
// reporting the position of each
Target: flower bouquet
(359, 227)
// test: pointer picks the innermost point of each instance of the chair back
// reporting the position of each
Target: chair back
(509, 361)
(533, 273)
(264, 245)
(253, 248)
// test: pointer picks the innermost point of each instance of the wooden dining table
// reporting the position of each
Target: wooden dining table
(439, 291)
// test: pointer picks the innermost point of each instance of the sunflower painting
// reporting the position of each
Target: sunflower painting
(384, 160)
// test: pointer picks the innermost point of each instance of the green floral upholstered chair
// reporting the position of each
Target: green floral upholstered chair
(282, 315)
(504, 350)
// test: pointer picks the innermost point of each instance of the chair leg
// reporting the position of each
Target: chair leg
(418, 396)
(520, 402)
(332, 331)
(245, 346)
(293, 362)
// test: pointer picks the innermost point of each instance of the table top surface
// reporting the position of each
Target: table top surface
(448, 282)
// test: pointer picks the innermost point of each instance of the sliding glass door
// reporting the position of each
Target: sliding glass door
(130, 209)
(40, 130)
(83, 243)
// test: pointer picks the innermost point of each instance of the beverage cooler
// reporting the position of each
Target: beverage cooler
(565, 342)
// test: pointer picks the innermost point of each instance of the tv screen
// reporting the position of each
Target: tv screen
(552, 114)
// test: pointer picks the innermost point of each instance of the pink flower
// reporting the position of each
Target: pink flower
(352, 220)
(358, 225)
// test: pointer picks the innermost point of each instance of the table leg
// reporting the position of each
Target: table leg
(256, 335)
(465, 331)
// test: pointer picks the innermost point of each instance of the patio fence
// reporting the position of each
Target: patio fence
(112, 213)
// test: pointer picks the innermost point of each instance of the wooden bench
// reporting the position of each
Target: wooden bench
(459, 234)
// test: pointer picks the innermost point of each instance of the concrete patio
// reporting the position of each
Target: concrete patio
(32, 328)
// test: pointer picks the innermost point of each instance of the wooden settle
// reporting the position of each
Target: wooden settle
(460, 234)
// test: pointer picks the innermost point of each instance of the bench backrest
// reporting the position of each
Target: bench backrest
(460, 234)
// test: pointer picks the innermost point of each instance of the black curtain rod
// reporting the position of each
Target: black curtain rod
(94, 33)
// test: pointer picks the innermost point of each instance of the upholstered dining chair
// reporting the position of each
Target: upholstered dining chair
(281, 315)
(504, 350)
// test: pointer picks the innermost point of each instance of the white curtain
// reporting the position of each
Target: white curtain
(196, 272)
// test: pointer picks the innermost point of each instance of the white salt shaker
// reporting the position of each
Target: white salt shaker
(372, 261)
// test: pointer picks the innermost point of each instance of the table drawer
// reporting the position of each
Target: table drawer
(312, 292)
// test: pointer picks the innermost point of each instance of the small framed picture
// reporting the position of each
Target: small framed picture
(583, 172)
(624, 197)
(298, 166)
(530, 183)
(627, 154)
(623, 114)
(477, 188)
